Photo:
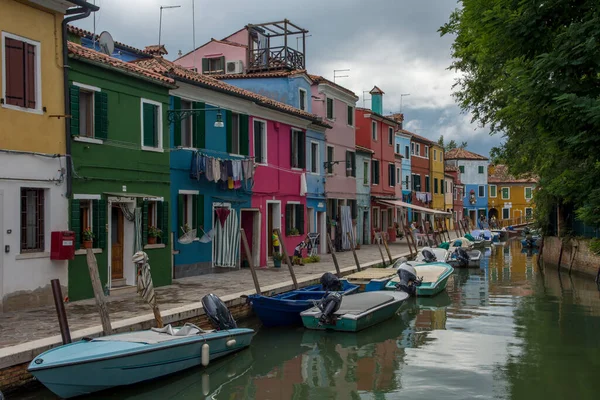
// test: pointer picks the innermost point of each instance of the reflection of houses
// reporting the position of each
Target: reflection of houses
(363, 193)
(510, 197)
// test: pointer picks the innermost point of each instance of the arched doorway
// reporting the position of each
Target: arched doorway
(492, 213)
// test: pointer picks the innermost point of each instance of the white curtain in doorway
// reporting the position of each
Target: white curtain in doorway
(226, 243)
(346, 220)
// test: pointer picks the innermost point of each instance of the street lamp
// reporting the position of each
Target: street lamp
(160, 21)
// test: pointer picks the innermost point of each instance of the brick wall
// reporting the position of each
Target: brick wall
(14, 377)
(585, 261)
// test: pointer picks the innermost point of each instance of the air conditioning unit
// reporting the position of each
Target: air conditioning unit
(234, 67)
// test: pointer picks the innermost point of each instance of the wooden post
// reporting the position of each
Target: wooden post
(457, 229)
(333, 256)
(574, 250)
(379, 247)
(287, 258)
(561, 253)
(98, 292)
(353, 251)
(409, 234)
(387, 249)
(426, 229)
(250, 260)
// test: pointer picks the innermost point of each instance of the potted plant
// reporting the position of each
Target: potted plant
(88, 238)
(294, 232)
(277, 257)
(153, 233)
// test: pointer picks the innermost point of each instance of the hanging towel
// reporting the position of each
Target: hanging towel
(222, 214)
(209, 169)
(303, 188)
(248, 167)
(237, 174)
(223, 165)
(216, 169)
(229, 164)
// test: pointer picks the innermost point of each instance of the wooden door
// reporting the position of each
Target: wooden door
(270, 230)
(116, 243)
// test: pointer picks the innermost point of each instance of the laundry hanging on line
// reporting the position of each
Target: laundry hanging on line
(228, 174)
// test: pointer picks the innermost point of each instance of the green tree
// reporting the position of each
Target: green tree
(530, 72)
(463, 145)
(451, 144)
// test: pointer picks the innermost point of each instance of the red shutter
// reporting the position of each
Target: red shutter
(30, 75)
(15, 72)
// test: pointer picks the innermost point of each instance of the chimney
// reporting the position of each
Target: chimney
(156, 50)
(376, 100)
(399, 118)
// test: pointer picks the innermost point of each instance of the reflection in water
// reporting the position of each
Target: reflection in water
(504, 331)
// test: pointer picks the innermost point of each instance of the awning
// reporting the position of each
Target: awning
(135, 195)
(398, 203)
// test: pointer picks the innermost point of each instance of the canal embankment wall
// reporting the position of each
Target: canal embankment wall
(576, 255)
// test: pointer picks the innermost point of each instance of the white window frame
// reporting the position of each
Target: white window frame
(312, 142)
(159, 148)
(38, 74)
(502, 193)
(376, 220)
(418, 149)
(300, 104)
(427, 152)
(366, 166)
(351, 110)
(478, 191)
(391, 183)
(87, 139)
(525, 193)
(495, 193)
(398, 148)
(191, 122)
(264, 142)
(398, 176)
(374, 130)
(434, 155)
(412, 148)
(190, 204)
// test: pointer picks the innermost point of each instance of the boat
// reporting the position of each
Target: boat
(353, 313)
(465, 258)
(535, 241)
(285, 308)
(372, 279)
(502, 234)
(433, 276)
(94, 364)
(439, 254)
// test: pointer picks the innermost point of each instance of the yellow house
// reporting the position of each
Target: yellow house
(509, 198)
(436, 171)
(33, 182)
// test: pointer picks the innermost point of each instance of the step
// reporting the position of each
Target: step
(117, 291)
(115, 283)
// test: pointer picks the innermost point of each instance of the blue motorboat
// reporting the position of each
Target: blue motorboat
(285, 308)
(95, 364)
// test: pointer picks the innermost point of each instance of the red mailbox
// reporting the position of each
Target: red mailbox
(62, 245)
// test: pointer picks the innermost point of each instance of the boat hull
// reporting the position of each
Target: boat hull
(428, 288)
(474, 260)
(92, 366)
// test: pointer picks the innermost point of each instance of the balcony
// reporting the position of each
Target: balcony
(270, 47)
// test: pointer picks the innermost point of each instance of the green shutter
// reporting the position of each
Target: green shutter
(288, 218)
(74, 94)
(300, 218)
(99, 223)
(180, 213)
(177, 123)
(199, 126)
(228, 127)
(163, 220)
(76, 221)
(144, 223)
(149, 128)
(244, 140)
(101, 115)
(199, 207)
(204, 65)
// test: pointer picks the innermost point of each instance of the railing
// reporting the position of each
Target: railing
(275, 58)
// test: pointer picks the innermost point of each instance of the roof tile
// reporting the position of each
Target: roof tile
(255, 75)
(463, 154)
(500, 174)
(320, 79)
(84, 33)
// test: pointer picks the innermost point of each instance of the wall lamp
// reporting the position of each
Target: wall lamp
(180, 115)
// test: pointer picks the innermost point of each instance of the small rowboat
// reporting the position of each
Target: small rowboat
(372, 279)
(435, 277)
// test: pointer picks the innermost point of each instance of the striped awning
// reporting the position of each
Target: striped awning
(398, 203)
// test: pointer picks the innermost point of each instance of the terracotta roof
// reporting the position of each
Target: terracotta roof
(369, 111)
(156, 49)
(84, 33)
(274, 74)
(419, 138)
(451, 168)
(320, 79)
(79, 52)
(228, 42)
(376, 90)
(366, 150)
(397, 117)
(500, 175)
(463, 154)
(165, 67)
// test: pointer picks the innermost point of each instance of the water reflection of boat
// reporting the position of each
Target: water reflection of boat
(272, 347)
(442, 300)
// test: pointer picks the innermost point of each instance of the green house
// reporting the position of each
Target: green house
(120, 170)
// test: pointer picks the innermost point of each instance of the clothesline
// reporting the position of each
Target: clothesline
(228, 173)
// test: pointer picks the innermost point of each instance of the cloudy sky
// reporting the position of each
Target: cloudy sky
(393, 44)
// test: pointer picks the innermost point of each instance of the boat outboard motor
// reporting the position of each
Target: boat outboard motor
(328, 305)
(462, 256)
(217, 312)
(331, 283)
(429, 256)
(408, 279)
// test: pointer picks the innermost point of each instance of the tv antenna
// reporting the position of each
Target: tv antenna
(106, 43)
(365, 91)
(340, 76)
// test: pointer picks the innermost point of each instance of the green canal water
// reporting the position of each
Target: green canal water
(505, 331)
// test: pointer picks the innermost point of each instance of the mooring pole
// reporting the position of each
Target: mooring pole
(60, 310)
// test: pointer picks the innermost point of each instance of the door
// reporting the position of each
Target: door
(270, 229)
(1, 252)
(311, 220)
(365, 227)
(116, 234)
(473, 217)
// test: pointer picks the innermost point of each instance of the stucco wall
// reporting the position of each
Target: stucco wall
(285, 90)
(585, 261)
(212, 49)
(471, 175)
(404, 143)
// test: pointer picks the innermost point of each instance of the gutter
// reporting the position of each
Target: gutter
(81, 12)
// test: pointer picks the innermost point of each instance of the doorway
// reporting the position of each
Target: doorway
(117, 242)
(365, 227)
(273, 222)
(311, 220)
(473, 217)
(251, 226)
(322, 230)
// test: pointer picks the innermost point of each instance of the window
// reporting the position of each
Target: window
(375, 172)
(398, 176)
(442, 182)
(391, 136)
(398, 148)
(302, 99)
(407, 183)
(294, 219)
(260, 142)
(481, 169)
(314, 157)
(528, 213)
(412, 148)
(406, 152)
(391, 175)
(298, 149)
(32, 220)
(190, 212)
(418, 149)
(350, 163)
(85, 218)
(330, 159)
(329, 108)
(434, 155)
(505, 213)
(505, 193)
(365, 173)
(481, 191)
(235, 133)
(21, 73)
(151, 125)
(157, 217)
(441, 156)
(528, 193)
(350, 116)
(374, 129)
(89, 111)
(353, 208)
(493, 191)
(426, 151)
(376, 218)
(427, 184)
(461, 169)
(435, 185)
(416, 182)
(186, 126)
(89, 212)
(213, 65)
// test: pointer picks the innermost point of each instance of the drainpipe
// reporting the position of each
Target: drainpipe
(83, 11)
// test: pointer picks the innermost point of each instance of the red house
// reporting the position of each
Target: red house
(419, 167)
(457, 192)
(376, 132)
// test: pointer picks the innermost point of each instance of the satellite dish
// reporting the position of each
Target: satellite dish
(106, 42)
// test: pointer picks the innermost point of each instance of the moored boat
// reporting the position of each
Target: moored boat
(372, 279)
(95, 364)
(465, 258)
(433, 278)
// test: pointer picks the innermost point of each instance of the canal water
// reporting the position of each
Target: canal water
(508, 330)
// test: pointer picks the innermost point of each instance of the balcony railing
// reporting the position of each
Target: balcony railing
(275, 58)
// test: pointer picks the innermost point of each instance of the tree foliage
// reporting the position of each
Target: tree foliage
(451, 144)
(530, 71)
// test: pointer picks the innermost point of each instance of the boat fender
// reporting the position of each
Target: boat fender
(205, 384)
(329, 305)
(230, 343)
(205, 354)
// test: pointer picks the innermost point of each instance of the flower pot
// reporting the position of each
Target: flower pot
(277, 263)
(87, 244)
(151, 239)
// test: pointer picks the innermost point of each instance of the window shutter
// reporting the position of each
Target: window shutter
(289, 209)
(229, 130)
(353, 160)
(148, 115)
(302, 150)
(15, 72)
(222, 63)
(30, 75)
(199, 126)
(204, 65)
(177, 123)
(180, 213)
(244, 140)
(163, 217)
(144, 223)
(258, 155)
(199, 207)
(300, 218)
(74, 95)
(377, 172)
(294, 138)
(195, 213)
(99, 223)
(76, 221)
(101, 115)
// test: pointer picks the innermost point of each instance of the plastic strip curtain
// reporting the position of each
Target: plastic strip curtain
(226, 243)
(137, 230)
(346, 220)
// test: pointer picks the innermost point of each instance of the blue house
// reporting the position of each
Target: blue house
(121, 51)
(403, 147)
